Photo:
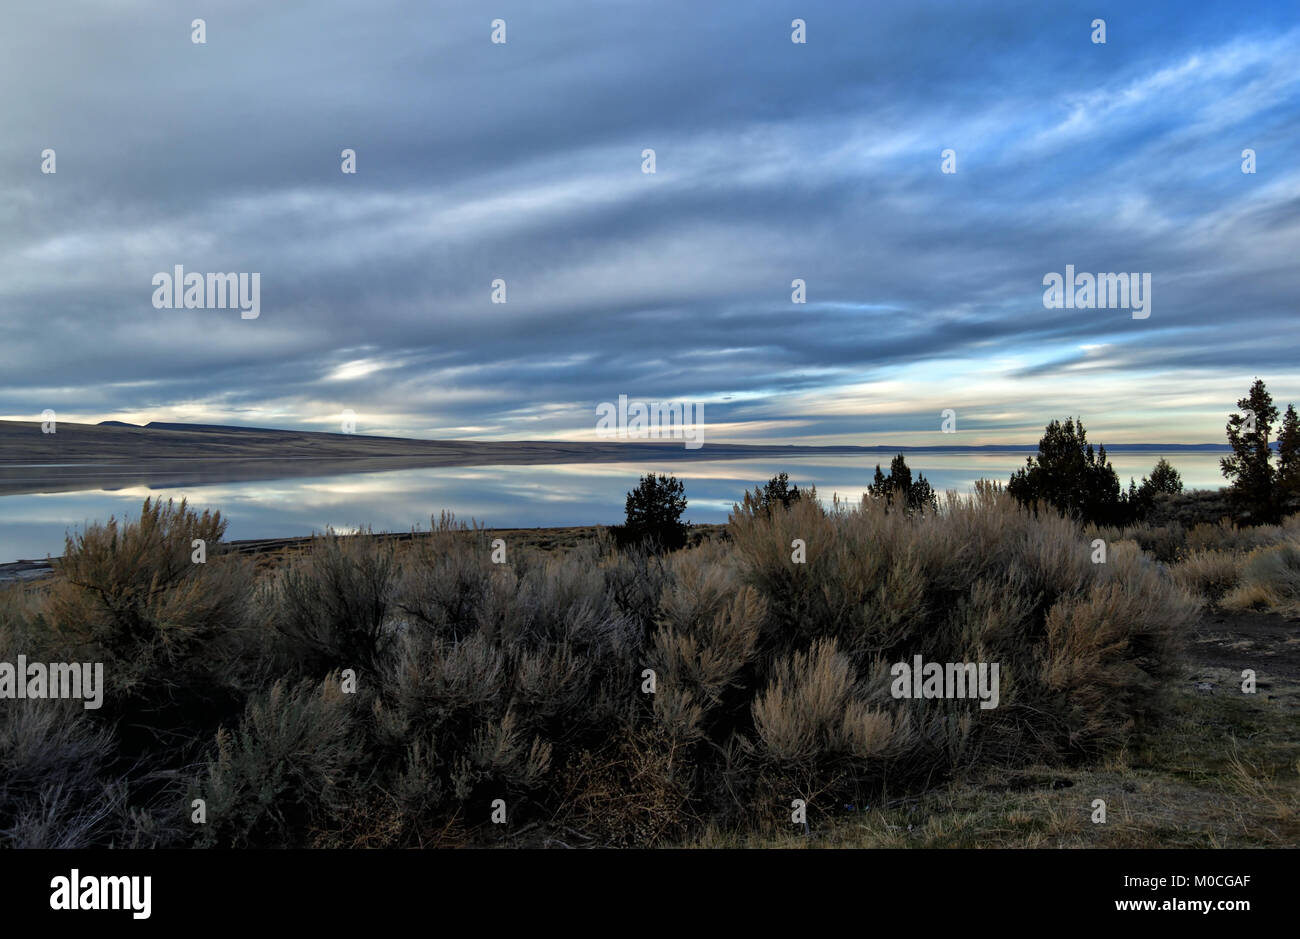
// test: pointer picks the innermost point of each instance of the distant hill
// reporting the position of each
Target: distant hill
(116, 454)
(227, 429)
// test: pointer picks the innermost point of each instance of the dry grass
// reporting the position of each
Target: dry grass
(1270, 580)
(1209, 573)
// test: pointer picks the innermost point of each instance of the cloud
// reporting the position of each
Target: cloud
(775, 161)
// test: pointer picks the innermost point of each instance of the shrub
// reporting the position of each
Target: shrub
(809, 711)
(56, 788)
(762, 546)
(329, 606)
(444, 579)
(1227, 536)
(634, 580)
(167, 630)
(1189, 508)
(983, 580)
(294, 758)
(708, 637)
(1112, 651)
(1270, 580)
(1209, 574)
(1166, 543)
(531, 680)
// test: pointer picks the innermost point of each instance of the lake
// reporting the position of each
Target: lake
(551, 495)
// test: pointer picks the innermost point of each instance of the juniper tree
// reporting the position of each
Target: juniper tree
(1072, 477)
(1142, 499)
(1249, 469)
(653, 514)
(778, 491)
(1164, 478)
(914, 495)
(1288, 452)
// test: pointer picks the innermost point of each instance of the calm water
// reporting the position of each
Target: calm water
(33, 526)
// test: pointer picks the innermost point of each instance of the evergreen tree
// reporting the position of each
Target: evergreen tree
(653, 514)
(1142, 499)
(1288, 469)
(778, 491)
(1071, 477)
(899, 487)
(1164, 478)
(1250, 469)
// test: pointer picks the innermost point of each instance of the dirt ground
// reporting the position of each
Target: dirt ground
(1269, 643)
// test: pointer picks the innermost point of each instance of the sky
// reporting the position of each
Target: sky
(774, 161)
